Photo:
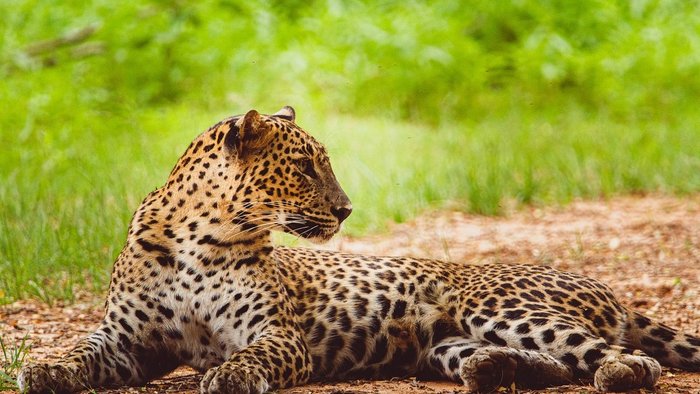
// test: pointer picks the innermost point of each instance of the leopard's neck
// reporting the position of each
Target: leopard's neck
(171, 236)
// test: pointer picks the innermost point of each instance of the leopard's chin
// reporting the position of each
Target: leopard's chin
(324, 237)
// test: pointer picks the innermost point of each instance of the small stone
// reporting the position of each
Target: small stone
(614, 243)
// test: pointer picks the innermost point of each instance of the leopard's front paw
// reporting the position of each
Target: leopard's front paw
(232, 380)
(48, 378)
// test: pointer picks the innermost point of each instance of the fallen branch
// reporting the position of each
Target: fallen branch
(70, 38)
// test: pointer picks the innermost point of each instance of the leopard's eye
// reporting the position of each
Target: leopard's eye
(306, 166)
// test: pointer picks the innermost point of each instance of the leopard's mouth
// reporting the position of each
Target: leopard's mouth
(311, 229)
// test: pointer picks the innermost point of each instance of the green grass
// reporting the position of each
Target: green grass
(66, 207)
(467, 105)
(11, 362)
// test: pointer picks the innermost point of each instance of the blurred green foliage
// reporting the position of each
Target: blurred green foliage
(421, 104)
(430, 60)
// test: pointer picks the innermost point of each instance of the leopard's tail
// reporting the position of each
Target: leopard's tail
(671, 347)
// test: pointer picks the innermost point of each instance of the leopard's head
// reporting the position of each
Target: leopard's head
(283, 180)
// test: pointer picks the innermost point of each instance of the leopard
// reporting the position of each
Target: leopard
(200, 282)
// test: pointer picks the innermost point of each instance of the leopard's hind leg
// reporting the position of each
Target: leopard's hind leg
(670, 346)
(612, 367)
(483, 367)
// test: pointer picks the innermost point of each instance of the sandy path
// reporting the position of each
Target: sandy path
(646, 248)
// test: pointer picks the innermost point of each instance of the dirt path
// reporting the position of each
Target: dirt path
(646, 248)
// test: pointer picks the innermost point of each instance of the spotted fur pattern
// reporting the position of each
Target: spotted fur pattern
(199, 283)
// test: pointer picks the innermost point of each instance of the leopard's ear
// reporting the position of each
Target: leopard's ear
(286, 112)
(248, 135)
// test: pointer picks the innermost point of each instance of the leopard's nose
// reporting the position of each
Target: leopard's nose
(341, 213)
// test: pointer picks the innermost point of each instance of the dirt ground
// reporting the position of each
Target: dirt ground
(646, 248)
